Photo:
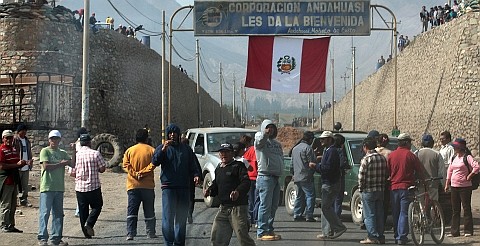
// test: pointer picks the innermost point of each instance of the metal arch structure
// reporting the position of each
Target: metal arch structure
(395, 34)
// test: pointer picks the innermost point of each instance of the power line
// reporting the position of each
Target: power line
(131, 23)
(142, 13)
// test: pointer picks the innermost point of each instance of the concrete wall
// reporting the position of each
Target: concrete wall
(438, 87)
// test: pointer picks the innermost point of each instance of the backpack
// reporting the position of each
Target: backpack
(476, 178)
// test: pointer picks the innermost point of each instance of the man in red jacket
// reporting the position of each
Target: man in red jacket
(405, 168)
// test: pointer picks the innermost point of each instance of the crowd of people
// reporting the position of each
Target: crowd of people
(246, 184)
(438, 15)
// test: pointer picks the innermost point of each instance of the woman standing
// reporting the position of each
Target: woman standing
(459, 175)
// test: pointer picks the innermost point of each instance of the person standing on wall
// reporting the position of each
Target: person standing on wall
(178, 166)
(24, 147)
(10, 162)
(270, 167)
(140, 185)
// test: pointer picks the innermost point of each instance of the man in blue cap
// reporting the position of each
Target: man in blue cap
(432, 162)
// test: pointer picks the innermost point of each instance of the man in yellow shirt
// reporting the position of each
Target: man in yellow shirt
(140, 185)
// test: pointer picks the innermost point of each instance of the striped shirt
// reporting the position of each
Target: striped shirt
(88, 163)
(372, 174)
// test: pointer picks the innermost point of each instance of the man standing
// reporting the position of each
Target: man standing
(405, 168)
(302, 158)
(270, 167)
(329, 169)
(140, 185)
(231, 186)
(372, 176)
(424, 18)
(446, 150)
(89, 163)
(24, 147)
(178, 166)
(52, 186)
(433, 163)
(9, 164)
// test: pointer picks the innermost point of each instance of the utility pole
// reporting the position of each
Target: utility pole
(221, 95)
(85, 77)
(199, 109)
(233, 104)
(313, 109)
(320, 107)
(164, 92)
(333, 91)
(345, 77)
(353, 87)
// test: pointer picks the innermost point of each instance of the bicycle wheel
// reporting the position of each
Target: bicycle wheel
(437, 229)
(415, 223)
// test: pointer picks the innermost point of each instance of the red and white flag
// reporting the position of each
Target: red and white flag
(283, 64)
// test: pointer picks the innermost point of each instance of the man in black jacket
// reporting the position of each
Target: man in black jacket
(231, 186)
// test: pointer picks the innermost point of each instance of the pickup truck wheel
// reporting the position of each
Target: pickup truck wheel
(356, 207)
(209, 201)
(290, 196)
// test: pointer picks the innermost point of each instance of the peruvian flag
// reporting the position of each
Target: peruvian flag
(284, 64)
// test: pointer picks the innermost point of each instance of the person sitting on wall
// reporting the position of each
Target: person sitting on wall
(93, 23)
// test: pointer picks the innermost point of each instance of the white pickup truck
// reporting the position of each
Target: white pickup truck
(205, 142)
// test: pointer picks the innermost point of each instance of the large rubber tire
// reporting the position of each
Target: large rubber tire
(356, 208)
(110, 148)
(437, 231)
(415, 223)
(209, 201)
(290, 196)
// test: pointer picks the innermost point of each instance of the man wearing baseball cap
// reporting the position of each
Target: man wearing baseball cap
(231, 186)
(9, 179)
(405, 168)
(52, 186)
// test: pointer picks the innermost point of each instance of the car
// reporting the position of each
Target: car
(205, 142)
(352, 198)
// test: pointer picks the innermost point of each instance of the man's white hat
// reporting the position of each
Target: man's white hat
(54, 133)
(326, 134)
(7, 133)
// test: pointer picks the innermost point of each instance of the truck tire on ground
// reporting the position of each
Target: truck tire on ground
(290, 196)
(110, 148)
(356, 207)
(210, 202)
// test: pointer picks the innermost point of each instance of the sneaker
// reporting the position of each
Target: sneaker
(11, 229)
(42, 243)
(323, 237)
(150, 236)
(89, 230)
(311, 220)
(369, 241)
(275, 236)
(338, 233)
(265, 237)
(468, 234)
(60, 243)
(129, 238)
(451, 235)
(299, 219)
(25, 204)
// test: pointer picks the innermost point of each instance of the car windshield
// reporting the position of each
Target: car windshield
(215, 139)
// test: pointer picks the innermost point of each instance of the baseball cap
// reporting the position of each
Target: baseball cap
(7, 133)
(404, 136)
(326, 134)
(85, 138)
(54, 133)
(427, 138)
(225, 146)
(21, 127)
(459, 143)
(373, 134)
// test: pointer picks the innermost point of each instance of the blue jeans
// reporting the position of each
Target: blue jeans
(400, 200)
(269, 193)
(147, 198)
(51, 201)
(253, 202)
(330, 221)
(305, 200)
(373, 214)
(175, 203)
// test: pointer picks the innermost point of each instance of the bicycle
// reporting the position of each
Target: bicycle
(421, 222)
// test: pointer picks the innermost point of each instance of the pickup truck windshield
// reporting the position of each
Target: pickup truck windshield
(215, 139)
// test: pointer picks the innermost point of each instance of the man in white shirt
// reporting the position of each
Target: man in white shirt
(24, 148)
(446, 150)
